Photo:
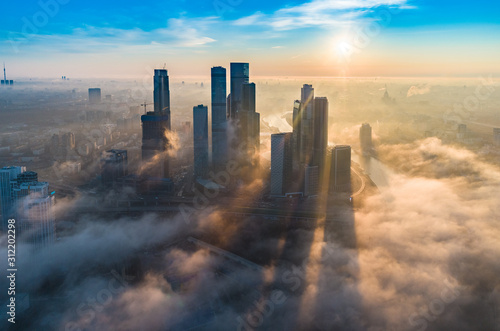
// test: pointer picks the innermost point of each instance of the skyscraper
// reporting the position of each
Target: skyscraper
(114, 165)
(297, 120)
(94, 95)
(7, 177)
(320, 112)
(239, 76)
(248, 120)
(155, 129)
(365, 137)
(200, 140)
(29, 202)
(34, 210)
(161, 92)
(219, 119)
(340, 171)
(307, 124)
(281, 162)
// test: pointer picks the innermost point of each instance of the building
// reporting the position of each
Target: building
(320, 141)
(249, 120)
(281, 162)
(496, 136)
(200, 141)
(219, 119)
(161, 93)
(297, 117)
(340, 170)
(155, 129)
(239, 76)
(29, 203)
(35, 212)
(94, 95)
(311, 180)
(307, 124)
(365, 137)
(114, 165)
(8, 175)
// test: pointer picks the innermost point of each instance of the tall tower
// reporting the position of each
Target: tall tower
(200, 140)
(4, 74)
(281, 162)
(161, 95)
(340, 171)
(307, 139)
(297, 120)
(155, 129)
(365, 137)
(248, 119)
(320, 112)
(239, 76)
(219, 119)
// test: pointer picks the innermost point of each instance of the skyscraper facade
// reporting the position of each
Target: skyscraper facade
(8, 175)
(200, 140)
(239, 76)
(219, 119)
(281, 162)
(340, 170)
(297, 120)
(248, 122)
(161, 96)
(155, 129)
(320, 141)
(29, 202)
(34, 211)
(307, 124)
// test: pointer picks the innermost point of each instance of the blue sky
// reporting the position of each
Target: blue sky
(312, 38)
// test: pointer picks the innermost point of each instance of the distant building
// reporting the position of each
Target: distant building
(94, 95)
(365, 137)
(114, 165)
(219, 119)
(200, 140)
(340, 170)
(281, 162)
(496, 136)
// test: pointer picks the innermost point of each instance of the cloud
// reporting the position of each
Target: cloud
(418, 90)
(318, 13)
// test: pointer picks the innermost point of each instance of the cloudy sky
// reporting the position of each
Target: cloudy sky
(50, 38)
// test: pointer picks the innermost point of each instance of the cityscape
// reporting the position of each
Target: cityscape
(252, 184)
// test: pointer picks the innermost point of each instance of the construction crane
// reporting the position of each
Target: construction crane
(146, 104)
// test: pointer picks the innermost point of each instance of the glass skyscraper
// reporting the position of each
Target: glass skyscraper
(219, 119)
